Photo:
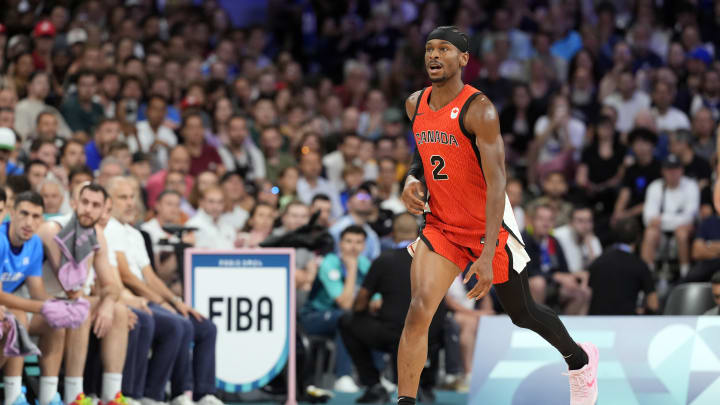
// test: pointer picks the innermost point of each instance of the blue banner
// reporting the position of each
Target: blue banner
(643, 360)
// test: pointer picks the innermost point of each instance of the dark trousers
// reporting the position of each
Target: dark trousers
(136, 361)
(326, 323)
(363, 334)
(702, 271)
(173, 359)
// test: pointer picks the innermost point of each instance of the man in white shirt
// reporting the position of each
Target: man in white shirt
(627, 101)
(671, 205)
(212, 233)
(176, 324)
(346, 153)
(667, 117)
(152, 135)
(578, 242)
(388, 186)
(241, 154)
(311, 184)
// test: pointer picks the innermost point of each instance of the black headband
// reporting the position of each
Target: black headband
(452, 35)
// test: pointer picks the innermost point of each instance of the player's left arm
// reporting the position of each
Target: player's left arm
(482, 120)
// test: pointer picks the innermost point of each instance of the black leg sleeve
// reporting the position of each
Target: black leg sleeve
(524, 312)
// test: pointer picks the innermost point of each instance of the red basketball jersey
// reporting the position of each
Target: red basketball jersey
(453, 171)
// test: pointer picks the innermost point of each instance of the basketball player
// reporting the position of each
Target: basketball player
(470, 221)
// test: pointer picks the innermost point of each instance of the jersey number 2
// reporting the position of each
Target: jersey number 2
(438, 163)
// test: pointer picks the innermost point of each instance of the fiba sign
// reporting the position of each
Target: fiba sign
(249, 296)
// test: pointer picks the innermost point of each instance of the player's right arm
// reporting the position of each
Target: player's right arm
(12, 301)
(414, 191)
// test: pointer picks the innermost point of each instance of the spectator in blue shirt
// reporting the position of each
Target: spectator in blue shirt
(338, 279)
(359, 209)
(21, 258)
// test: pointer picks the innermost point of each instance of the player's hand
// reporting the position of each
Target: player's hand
(413, 196)
(482, 269)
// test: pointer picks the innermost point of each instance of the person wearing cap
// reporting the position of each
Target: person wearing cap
(8, 140)
(44, 37)
(643, 171)
(76, 39)
(695, 167)
(671, 204)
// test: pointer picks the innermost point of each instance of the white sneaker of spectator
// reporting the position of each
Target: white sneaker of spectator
(388, 385)
(210, 400)
(133, 401)
(346, 384)
(182, 399)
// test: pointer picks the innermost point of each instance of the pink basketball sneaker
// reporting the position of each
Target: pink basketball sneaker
(583, 382)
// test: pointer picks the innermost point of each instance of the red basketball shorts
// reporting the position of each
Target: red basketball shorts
(462, 251)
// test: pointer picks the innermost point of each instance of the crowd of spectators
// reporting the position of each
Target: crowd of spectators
(252, 134)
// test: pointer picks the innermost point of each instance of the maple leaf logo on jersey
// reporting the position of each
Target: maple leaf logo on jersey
(454, 113)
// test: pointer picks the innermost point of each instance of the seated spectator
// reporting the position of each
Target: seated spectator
(212, 233)
(703, 130)
(558, 140)
(203, 181)
(517, 121)
(152, 136)
(388, 189)
(346, 154)
(53, 195)
(311, 183)
(258, 226)
(715, 281)
(668, 118)
(28, 109)
(236, 200)
(694, 167)
(352, 176)
(203, 156)
(287, 183)
(547, 270)
(109, 168)
(167, 213)
(175, 181)
(109, 318)
(241, 154)
(705, 250)
(709, 94)
(619, 275)
(276, 160)
(178, 161)
(671, 205)
(628, 100)
(106, 132)
(376, 324)
(72, 155)
(360, 207)
(194, 373)
(555, 188)
(79, 110)
(578, 242)
(332, 295)
(36, 171)
(643, 171)
(322, 203)
(601, 167)
(23, 252)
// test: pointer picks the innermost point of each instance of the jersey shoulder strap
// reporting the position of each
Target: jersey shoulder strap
(463, 111)
(417, 106)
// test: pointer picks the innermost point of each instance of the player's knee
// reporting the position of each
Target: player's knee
(120, 315)
(682, 233)
(419, 314)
